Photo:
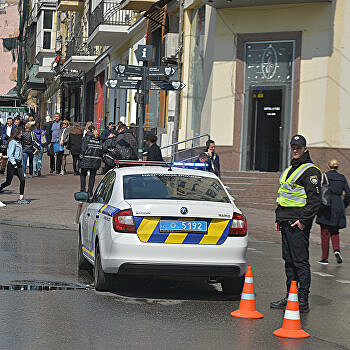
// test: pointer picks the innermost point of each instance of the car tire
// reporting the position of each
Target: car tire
(103, 281)
(233, 286)
(83, 264)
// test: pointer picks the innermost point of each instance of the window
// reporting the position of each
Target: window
(104, 189)
(174, 187)
(48, 16)
(47, 40)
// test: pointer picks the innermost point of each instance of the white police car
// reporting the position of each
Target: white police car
(162, 221)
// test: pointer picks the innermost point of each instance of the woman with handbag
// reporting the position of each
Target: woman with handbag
(14, 166)
(331, 216)
(61, 147)
(40, 141)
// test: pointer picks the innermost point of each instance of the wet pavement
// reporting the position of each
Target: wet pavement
(51, 306)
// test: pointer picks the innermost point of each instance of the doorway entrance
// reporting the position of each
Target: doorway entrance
(264, 128)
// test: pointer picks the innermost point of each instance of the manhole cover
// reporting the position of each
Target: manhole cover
(42, 285)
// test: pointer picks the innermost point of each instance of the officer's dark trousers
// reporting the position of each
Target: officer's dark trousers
(295, 252)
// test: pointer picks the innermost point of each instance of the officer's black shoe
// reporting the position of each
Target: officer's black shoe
(279, 304)
(304, 301)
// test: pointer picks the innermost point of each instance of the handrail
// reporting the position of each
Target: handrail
(180, 142)
(190, 139)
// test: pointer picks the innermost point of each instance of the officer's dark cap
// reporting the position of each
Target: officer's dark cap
(298, 140)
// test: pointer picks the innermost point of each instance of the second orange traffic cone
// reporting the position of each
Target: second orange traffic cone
(291, 327)
(247, 307)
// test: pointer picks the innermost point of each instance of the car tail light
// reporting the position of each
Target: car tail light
(123, 221)
(238, 226)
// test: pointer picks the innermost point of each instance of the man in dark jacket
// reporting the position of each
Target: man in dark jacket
(106, 132)
(298, 202)
(48, 131)
(153, 153)
(214, 159)
(7, 130)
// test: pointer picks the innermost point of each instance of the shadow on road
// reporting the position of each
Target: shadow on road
(164, 288)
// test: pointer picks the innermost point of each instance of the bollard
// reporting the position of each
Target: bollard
(79, 209)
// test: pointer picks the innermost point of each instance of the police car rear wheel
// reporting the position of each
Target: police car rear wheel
(103, 281)
(83, 264)
(233, 286)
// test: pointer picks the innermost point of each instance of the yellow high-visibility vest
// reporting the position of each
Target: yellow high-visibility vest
(290, 194)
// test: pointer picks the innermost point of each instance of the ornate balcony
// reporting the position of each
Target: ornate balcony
(79, 55)
(137, 5)
(70, 5)
(108, 23)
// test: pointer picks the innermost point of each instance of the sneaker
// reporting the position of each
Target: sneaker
(22, 201)
(338, 257)
(39, 172)
(323, 262)
(35, 174)
(2, 171)
(62, 172)
(52, 171)
(29, 176)
(2, 205)
(24, 175)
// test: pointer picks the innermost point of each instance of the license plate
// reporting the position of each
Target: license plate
(182, 226)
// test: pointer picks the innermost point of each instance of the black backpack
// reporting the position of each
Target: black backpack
(121, 150)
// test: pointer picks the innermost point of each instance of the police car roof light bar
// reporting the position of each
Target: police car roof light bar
(158, 163)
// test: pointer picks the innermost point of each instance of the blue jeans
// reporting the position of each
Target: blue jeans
(28, 153)
(37, 160)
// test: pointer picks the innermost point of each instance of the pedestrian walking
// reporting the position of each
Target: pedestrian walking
(214, 159)
(126, 140)
(14, 166)
(49, 148)
(74, 145)
(28, 150)
(40, 141)
(55, 147)
(63, 152)
(331, 218)
(298, 201)
(90, 158)
(153, 153)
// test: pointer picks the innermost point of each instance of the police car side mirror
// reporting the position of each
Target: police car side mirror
(81, 196)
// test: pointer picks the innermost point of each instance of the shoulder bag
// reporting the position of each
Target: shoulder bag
(326, 192)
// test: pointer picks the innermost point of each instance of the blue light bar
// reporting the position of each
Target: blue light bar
(191, 165)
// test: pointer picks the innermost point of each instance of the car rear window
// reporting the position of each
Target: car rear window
(164, 186)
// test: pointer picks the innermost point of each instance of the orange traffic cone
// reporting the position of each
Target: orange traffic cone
(247, 308)
(291, 327)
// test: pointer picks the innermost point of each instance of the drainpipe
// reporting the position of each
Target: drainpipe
(179, 70)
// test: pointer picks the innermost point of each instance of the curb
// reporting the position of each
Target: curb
(37, 225)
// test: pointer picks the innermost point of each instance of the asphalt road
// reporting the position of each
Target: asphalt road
(155, 315)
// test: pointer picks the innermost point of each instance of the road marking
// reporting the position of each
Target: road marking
(343, 281)
(322, 274)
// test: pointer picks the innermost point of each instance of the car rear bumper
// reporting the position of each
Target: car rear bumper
(124, 253)
(179, 270)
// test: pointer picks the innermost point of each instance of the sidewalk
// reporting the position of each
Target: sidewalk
(52, 205)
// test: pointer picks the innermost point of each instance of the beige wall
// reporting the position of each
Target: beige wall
(325, 67)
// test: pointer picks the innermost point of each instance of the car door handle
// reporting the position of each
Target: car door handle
(97, 216)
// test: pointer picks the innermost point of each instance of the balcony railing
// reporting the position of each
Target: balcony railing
(78, 47)
(108, 12)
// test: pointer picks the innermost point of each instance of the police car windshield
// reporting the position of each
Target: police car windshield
(174, 187)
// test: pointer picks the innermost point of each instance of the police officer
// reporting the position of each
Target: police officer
(298, 202)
